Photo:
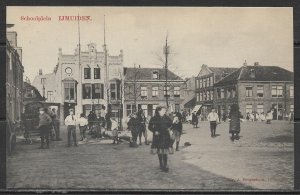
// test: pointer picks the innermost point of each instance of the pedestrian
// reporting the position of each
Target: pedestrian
(44, 127)
(142, 126)
(235, 122)
(107, 120)
(213, 118)
(262, 117)
(102, 116)
(159, 124)
(252, 117)
(55, 121)
(71, 122)
(195, 119)
(133, 126)
(269, 116)
(177, 129)
(91, 119)
(83, 124)
(98, 126)
(291, 117)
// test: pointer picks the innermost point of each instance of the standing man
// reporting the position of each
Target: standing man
(70, 122)
(142, 126)
(55, 122)
(102, 116)
(213, 118)
(44, 127)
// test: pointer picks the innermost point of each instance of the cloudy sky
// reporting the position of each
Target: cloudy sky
(213, 36)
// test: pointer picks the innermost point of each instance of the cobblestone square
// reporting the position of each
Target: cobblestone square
(261, 159)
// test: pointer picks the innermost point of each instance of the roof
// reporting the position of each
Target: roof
(146, 74)
(191, 103)
(260, 73)
(220, 72)
(38, 97)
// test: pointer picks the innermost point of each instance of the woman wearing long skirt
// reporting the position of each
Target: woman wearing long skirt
(235, 125)
(159, 124)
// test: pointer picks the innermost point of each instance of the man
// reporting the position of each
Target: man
(142, 126)
(44, 127)
(70, 122)
(55, 123)
(102, 116)
(213, 118)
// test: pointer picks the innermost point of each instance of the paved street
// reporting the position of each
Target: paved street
(261, 159)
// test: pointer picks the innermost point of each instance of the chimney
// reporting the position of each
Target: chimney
(245, 63)
(40, 72)
(256, 63)
(139, 66)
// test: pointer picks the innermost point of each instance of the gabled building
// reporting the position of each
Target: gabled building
(256, 88)
(144, 88)
(204, 86)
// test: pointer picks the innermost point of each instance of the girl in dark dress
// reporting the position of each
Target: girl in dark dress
(235, 125)
(159, 124)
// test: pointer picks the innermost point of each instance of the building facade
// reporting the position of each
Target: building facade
(204, 86)
(14, 78)
(256, 89)
(189, 101)
(144, 88)
(84, 82)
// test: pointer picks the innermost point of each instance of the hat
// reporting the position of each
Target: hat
(41, 109)
(71, 110)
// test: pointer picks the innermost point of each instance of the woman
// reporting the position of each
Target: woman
(195, 119)
(234, 126)
(177, 129)
(159, 124)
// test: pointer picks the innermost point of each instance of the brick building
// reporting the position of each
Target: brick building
(204, 86)
(144, 88)
(256, 88)
(14, 78)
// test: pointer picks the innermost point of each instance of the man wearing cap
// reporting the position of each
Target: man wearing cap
(44, 127)
(70, 122)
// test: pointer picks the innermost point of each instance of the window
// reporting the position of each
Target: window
(198, 97)
(248, 91)
(166, 91)
(197, 84)
(233, 93)
(292, 108)
(276, 91)
(211, 95)
(228, 93)
(204, 82)
(87, 73)
(155, 75)
(207, 95)
(201, 83)
(207, 81)
(29, 93)
(50, 96)
(222, 93)
(98, 91)
(96, 73)
(211, 80)
(43, 81)
(114, 91)
(144, 92)
(218, 93)
(260, 108)
(248, 108)
(260, 91)
(130, 108)
(87, 91)
(154, 91)
(69, 91)
(291, 91)
(176, 91)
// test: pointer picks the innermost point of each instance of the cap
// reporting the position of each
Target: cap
(41, 109)
(71, 110)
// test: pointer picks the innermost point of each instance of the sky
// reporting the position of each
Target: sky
(215, 36)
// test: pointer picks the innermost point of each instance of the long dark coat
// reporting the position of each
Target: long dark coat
(235, 123)
(161, 125)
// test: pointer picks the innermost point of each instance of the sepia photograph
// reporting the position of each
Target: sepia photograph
(149, 98)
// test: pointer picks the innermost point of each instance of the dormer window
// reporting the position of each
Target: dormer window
(155, 75)
(252, 73)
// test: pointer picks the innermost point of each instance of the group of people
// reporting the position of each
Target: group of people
(137, 126)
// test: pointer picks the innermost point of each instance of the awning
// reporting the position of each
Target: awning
(196, 108)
